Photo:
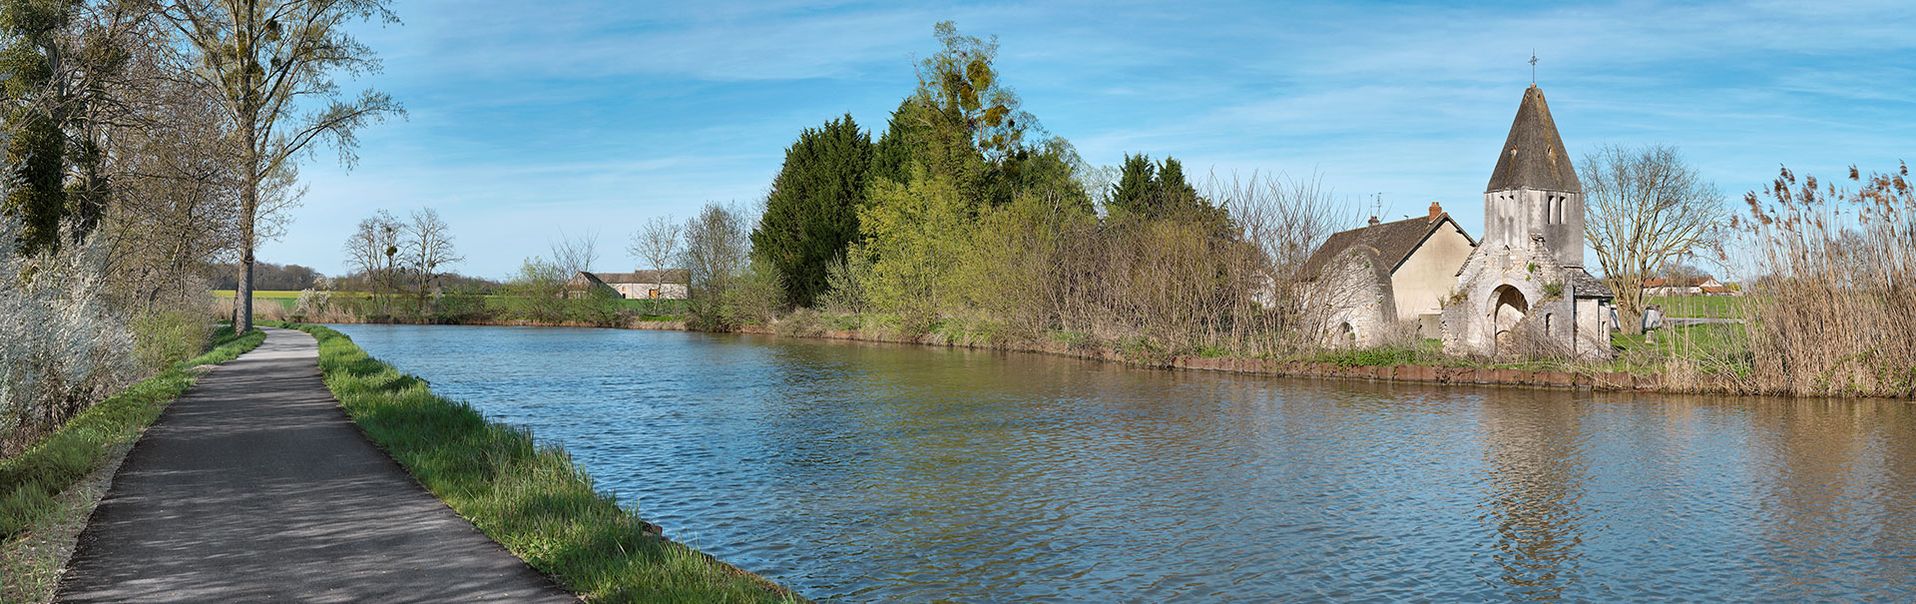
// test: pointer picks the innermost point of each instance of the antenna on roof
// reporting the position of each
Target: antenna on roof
(1533, 67)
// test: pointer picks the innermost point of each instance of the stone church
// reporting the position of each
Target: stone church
(1523, 290)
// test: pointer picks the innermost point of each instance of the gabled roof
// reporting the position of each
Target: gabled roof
(1393, 242)
(676, 275)
(1533, 156)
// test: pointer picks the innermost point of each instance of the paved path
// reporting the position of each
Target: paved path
(255, 486)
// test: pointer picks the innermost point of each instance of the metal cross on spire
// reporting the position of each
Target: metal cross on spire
(1533, 67)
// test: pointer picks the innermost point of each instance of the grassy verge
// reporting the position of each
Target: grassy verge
(1700, 307)
(532, 499)
(33, 483)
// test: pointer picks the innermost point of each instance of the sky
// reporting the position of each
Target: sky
(528, 122)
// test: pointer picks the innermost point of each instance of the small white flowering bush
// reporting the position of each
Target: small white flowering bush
(62, 345)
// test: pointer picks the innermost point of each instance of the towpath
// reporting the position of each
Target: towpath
(255, 486)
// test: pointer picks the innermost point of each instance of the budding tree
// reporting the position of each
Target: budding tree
(270, 64)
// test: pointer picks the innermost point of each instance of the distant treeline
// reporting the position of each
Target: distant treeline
(268, 276)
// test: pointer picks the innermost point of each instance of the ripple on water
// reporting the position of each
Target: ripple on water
(883, 473)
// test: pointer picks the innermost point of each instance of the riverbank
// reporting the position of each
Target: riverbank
(1387, 364)
(532, 499)
(48, 491)
(1350, 365)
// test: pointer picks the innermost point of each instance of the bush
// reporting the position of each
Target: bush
(167, 337)
(28, 481)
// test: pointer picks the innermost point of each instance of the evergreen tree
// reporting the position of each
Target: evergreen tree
(812, 211)
(1136, 191)
(35, 120)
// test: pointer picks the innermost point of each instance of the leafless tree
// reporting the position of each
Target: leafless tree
(658, 245)
(373, 252)
(1646, 207)
(575, 255)
(428, 249)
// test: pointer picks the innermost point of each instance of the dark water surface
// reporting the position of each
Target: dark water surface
(864, 472)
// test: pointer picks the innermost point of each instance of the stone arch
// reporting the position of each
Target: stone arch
(1507, 309)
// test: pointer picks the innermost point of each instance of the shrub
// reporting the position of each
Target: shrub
(169, 336)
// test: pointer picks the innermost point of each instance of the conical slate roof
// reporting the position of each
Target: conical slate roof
(1533, 156)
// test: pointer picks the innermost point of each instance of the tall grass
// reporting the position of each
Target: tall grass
(29, 481)
(1834, 310)
(532, 499)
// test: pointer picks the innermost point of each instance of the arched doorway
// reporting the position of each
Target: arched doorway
(1507, 309)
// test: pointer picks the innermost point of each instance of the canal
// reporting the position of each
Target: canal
(870, 472)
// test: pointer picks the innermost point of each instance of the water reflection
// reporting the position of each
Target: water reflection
(884, 473)
(1535, 461)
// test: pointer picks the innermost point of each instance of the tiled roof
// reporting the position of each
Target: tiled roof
(1533, 156)
(1393, 242)
(670, 276)
(1584, 285)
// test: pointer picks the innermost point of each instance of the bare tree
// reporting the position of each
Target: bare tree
(266, 62)
(373, 251)
(1646, 207)
(575, 255)
(658, 245)
(429, 249)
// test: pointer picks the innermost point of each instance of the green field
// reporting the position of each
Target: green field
(1700, 307)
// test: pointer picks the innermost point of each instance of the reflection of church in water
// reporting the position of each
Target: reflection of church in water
(1536, 478)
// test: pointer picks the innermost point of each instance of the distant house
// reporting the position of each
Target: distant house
(1696, 286)
(638, 285)
(1387, 273)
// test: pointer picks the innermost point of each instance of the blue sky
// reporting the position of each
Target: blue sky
(529, 120)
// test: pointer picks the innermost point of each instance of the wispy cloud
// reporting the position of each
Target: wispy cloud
(605, 113)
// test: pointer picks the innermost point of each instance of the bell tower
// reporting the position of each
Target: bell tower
(1534, 192)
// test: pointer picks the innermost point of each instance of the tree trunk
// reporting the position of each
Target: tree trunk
(243, 297)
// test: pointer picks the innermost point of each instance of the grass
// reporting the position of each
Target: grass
(530, 498)
(30, 480)
(33, 484)
(1700, 307)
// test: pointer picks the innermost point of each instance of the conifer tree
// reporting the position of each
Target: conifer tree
(812, 211)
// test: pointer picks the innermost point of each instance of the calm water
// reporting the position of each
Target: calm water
(884, 473)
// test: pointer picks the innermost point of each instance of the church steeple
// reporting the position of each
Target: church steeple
(1534, 194)
(1533, 155)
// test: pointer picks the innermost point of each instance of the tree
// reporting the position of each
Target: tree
(372, 251)
(575, 255)
(961, 122)
(1147, 190)
(428, 249)
(266, 62)
(717, 254)
(658, 245)
(1136, 188)
(811, 213)
(916, 234)
(960, 83)
(1646, 207)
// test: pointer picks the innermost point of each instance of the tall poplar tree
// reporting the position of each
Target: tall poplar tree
(812, 211)
(270, 65)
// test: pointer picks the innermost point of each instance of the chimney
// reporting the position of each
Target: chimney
(1435, 211)
(1373, 221)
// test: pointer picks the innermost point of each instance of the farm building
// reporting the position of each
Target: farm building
(1695, 286)
(638, 285)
